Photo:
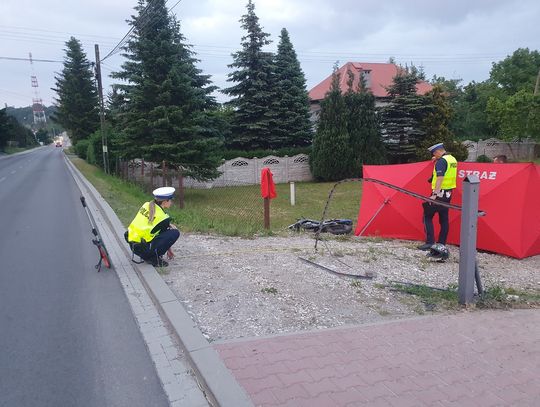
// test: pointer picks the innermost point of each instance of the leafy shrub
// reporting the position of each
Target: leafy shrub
(81, 148)
(91, 153)
(483, 159)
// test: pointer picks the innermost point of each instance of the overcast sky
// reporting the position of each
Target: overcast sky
(455, 39)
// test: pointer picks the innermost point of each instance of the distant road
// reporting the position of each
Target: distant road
(67, 334)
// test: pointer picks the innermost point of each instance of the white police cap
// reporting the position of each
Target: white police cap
(435, 147)
(163, 193)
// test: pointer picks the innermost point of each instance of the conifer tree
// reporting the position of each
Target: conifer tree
(401, 118)
(165, 113)
(253, 93)
(331, 157)
(293, 127)
(436, 126)
(363, 128)
(77, 99)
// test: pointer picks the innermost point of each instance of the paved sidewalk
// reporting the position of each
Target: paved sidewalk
(480, 358)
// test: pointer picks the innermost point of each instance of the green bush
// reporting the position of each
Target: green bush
(483, 159)
(96, 147)
(91, 153)
(81, 148)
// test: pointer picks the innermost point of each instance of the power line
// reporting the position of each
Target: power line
(33, 59)
(57, 32)
(146, 24)
(128, 34)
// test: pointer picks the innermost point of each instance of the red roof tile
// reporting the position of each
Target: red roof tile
(381, 77)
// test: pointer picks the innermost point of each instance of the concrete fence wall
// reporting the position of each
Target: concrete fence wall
(239, 171)
(245, 171)
(493, 147)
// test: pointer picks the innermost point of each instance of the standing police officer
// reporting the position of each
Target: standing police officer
(151, 233)
(443, 183)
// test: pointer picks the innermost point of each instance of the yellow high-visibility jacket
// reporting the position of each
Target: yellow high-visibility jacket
(141, 228)
(449, 180)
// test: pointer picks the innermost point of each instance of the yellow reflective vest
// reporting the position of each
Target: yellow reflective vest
(449, 180)
(141, 228)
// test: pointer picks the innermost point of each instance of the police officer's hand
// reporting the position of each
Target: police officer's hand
(170, 254)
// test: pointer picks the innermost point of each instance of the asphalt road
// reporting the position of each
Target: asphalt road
(67, 334)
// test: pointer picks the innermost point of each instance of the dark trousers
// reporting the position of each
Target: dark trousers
(429, 211)
(158, 246)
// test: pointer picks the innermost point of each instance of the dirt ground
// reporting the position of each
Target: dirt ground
(235, 287)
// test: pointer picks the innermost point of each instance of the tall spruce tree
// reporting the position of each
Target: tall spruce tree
(436, 126)
(401, 118)
(166, 109)
(363, 127)
(77, 98)
(293, 127)
(331, 154)
(253, 94)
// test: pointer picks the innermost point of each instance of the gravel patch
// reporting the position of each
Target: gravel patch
(235, 287)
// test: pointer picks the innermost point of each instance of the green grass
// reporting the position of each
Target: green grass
(500, 297)
(124, 198)
(231, 211)
(494, 297)
(432, 299)
(13, 150)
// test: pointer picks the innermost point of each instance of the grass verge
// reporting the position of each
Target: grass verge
(231, 211)
(493, 298)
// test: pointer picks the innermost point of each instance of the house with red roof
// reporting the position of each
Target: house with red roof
(377, 78)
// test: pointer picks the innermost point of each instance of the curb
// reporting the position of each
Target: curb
(218, 382)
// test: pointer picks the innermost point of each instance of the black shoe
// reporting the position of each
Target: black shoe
(159, 262)
(425, 246)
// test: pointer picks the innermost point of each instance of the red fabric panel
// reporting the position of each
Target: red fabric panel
(509, 194)
(268, 188)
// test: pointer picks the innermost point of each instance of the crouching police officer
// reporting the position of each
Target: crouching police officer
(151, 233)
(443, 183)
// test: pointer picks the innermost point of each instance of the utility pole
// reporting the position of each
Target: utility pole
(102, 112)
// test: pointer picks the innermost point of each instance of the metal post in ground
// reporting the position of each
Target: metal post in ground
(164, 173)
(293, 193)
(467, 249)
(267, 213)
